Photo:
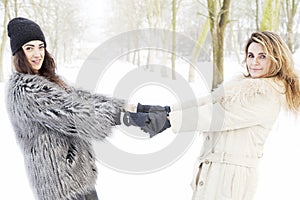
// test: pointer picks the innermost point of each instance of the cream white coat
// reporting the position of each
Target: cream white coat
(235, 122)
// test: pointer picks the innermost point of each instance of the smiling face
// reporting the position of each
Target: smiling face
(35, 53)
(258, 62)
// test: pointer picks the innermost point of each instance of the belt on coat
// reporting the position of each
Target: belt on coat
(230, 159)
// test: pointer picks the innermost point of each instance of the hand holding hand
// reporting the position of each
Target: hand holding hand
(130, 107)
(151, 119)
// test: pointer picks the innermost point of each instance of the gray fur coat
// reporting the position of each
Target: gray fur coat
(54, 129)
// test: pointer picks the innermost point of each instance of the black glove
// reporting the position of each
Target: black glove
(158, 122)
(151, 108)
(151, 123)
(151, 119)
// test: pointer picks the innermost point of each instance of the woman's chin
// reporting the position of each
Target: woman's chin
(256, 75)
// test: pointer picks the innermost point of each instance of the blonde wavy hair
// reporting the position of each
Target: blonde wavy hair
(282, 65)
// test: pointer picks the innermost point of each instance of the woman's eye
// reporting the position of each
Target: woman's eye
(263, 56)
(250, 56)
(28, 48)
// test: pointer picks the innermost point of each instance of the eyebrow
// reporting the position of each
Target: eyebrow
(261, 53)
(31, 45)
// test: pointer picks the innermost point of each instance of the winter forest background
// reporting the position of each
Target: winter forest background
(219, 29)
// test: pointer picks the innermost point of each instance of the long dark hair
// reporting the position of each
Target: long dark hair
(47, 70)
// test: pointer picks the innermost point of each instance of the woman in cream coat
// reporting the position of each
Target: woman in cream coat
(236, 120)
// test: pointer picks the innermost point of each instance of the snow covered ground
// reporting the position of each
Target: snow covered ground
(279, 170)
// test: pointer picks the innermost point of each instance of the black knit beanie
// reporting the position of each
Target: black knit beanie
(21, 31)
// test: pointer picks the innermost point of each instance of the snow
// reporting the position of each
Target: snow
(279, 169)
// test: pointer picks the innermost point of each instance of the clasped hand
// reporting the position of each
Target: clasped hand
(152, 119)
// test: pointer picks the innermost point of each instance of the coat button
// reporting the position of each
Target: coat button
(206, 162)
(201, 183)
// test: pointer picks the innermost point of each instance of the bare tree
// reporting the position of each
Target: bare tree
(291, 8)
(130, 15)
(154, 18)
(4, 37)
(218, 16)
(174, 24)
(175, 7)
(256, 14)
(196, 51)
(270, 19)
(15, 7)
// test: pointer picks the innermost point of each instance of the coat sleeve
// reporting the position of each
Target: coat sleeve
(118, 104)
(191, 103)
(77, 114)
(258, 110)
(202, 101)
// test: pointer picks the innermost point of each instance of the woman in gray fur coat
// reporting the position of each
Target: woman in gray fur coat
(54, 123)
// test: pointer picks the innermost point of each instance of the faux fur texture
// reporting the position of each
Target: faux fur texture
(54, 129)
(238, 90)
(244, 89)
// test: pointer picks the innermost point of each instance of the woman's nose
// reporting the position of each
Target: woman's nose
(255, 60)
(36, 52)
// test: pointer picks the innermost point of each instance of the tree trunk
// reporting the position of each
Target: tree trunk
(276, 15)
(266, 22)
(256, 14)
(270, 19)
(4, 37)
(291, 11)
(196, 51)
(16, 8)
(173, 58)
(218, 22)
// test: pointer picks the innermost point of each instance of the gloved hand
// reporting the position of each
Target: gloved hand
(151, 119)
(151, 123)
(152, 108)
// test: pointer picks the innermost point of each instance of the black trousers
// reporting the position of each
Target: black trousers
(90, 196)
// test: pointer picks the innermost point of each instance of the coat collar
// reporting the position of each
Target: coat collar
(242, 88)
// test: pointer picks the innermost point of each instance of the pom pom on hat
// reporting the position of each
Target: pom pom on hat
(22, 30)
